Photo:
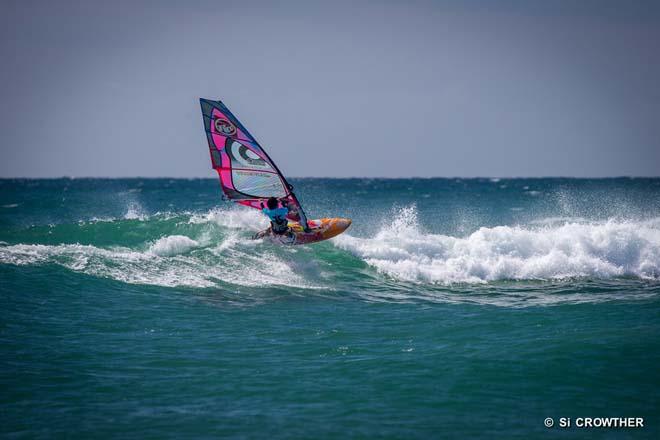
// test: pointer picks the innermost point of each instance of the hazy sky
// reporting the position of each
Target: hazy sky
(415, 88)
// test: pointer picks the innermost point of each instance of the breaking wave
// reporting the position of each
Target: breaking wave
(173, 245)
(400, 262)
(231, 218)
(213, 253)
(568, 250)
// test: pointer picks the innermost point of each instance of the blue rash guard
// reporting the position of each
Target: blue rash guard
(278, 221)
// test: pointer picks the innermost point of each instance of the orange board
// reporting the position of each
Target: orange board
(321, 229)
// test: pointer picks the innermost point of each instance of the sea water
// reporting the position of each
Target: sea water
(452, 308)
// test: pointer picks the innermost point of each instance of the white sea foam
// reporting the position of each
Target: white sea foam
(232, 218)
(170, 261)
(97, 220)
(135, 212)
(172, 245)
(558, 221)
(571, 250)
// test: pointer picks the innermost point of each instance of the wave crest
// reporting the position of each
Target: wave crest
(172, 245)
(571, 250)
(172, 261)
(231, 218)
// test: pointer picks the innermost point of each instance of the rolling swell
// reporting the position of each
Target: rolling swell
(502, 265)
(170, 250)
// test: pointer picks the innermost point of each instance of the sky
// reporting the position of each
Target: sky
(333, 89)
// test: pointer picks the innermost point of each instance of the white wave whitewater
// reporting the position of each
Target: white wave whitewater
(599, 250)
(171, 261)
(173, 245)
(213, 249)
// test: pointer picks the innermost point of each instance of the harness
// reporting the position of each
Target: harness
(279, 225)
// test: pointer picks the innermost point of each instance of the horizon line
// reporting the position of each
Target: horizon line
(335, 178)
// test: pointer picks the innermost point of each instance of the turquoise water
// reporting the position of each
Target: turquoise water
(452, 308)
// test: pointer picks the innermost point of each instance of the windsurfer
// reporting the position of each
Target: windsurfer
(279, 225)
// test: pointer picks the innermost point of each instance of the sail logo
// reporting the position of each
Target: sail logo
(243, 157)
(224, 127)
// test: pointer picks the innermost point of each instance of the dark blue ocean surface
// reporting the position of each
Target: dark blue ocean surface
(452, 308)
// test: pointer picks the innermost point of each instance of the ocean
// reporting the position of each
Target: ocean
(451, 308)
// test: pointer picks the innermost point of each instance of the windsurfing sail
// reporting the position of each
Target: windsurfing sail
(248, 176)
